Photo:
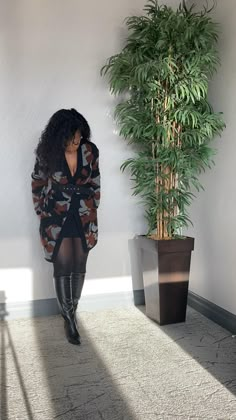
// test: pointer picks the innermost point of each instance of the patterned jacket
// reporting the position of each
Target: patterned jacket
(52, 205)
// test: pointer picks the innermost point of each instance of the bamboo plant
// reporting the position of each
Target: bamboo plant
(161, 77)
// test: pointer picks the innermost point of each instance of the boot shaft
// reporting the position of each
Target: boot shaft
(77, 283)
(63, 289)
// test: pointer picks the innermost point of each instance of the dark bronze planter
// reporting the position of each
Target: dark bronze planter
(166, 266)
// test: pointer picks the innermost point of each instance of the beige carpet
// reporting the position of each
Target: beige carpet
(127, 367)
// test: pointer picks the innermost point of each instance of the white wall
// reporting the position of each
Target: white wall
(51, 55)
(213, 212)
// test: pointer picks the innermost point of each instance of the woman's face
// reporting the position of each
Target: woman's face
(73, 145)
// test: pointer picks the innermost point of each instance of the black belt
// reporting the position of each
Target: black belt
(78, 189)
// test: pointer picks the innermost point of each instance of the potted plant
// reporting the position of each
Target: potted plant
(162, 75)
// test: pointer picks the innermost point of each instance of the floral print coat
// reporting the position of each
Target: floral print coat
(52, 205)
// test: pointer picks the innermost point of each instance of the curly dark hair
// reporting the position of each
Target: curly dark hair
(60, 130)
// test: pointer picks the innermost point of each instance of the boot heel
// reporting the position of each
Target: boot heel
(71, 337)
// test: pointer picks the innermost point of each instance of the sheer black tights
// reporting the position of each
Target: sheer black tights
(71, 258)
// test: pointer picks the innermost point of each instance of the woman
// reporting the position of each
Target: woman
(66, 195)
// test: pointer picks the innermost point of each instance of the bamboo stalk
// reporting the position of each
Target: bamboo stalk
(158, 184)
(160, 226)
(157, 188)
(172, 183)
(176, 210)
(173, 132)
(171, 202)
(164, 212)
(152, 104)
(160, 213)
(178, 137)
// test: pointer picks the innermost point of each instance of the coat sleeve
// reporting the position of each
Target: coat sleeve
(95, 180)
(38, 185)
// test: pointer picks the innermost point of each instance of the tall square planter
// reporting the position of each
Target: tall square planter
(166, 267)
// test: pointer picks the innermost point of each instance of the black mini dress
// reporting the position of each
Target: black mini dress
(71, 228)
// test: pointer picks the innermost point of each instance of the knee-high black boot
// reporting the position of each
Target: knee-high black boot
(63, 290)
(77, 282)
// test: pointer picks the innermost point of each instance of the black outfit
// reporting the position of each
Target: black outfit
(70, 228)
(70, 267)
(67, 242)
(72, 256)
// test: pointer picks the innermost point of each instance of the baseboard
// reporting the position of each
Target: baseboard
(47, 307)
(212, 311)
(28, 309)
(139, 298)
(106, 301)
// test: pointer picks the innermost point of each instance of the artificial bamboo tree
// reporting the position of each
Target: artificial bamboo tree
(164, 71)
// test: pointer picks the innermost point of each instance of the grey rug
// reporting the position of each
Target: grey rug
(127, 368)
